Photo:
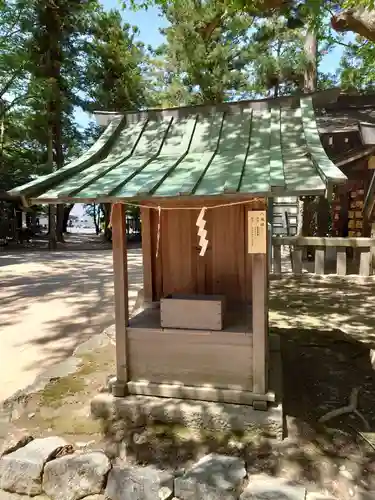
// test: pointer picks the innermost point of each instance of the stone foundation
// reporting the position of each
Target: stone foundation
(136, 412)
(139, 411)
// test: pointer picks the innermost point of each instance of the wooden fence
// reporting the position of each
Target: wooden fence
(354, 254)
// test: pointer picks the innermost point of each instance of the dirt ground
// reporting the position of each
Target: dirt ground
(51, 302)
(327, 336)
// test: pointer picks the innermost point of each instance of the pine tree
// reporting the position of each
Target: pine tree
(200, 65)
(113, 78)
(357, 71)
(57, 29)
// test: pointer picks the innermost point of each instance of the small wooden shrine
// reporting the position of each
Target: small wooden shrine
(345, 129)
(202, 177)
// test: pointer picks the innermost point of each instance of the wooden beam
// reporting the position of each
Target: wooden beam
(315, 241)
(260, 323)
(120, 270)
(277, 259)
(147, 254)
(199, 393)
(257, 236)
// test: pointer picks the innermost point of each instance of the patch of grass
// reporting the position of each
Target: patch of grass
(181, 434)
(75, 424)
(56, 390)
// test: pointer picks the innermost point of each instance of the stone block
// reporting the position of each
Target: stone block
(21, 470)
(264, 487)
(5, 495)
(95, 497)
(216, 417)
(75, 476)
(14, 441)
(319, 496)
(213, 477)
(138, 483)
(362, 494)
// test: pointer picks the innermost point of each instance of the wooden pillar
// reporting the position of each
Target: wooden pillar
(257, 246)
(260, 323)
(120, 270)
(147, 254)
(277, 259)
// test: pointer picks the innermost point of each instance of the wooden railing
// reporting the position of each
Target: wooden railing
(358, 252)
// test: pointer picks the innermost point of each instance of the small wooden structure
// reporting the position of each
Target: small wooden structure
(202, 177)
(345, 128)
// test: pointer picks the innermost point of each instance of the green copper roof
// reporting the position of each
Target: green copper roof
(264, 151)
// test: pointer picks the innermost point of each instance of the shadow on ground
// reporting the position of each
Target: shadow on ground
(52, 302)
(326, 329)
(327, 333)
(325, 303)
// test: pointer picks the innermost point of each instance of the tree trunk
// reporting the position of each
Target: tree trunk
(52, 241)
(308, 222)
(300, 211)
(323, 210)
(2, 131)
(106, 209)
(59, 163)
(67, 210)
(60, 223)
(307, 205)
(96, 218)
(358, 20)
(55, 102)
(311, 75)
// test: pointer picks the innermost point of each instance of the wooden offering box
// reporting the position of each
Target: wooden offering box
(192, 312)
(191, 357)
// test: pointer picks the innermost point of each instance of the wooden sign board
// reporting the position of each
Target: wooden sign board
(371, 163)
(257, 231)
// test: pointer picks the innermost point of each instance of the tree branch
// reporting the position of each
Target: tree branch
(10, 82)
(15, 101)
(11, 30)
(359, 20)
(347, 45)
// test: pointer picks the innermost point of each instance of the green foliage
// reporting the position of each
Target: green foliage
(234, 56)
(113, 79)
(297, 13)
(357, 66)
(264, 7)
(55, 56)
(199, 64)
(279, 59)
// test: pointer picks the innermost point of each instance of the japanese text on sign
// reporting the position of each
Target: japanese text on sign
(257, 232)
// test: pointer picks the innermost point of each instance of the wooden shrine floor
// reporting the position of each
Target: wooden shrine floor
(221, 359)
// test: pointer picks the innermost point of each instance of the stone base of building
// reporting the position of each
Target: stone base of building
(123, 415)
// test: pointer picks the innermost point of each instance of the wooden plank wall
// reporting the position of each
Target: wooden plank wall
(193, 358)
(226, 266)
